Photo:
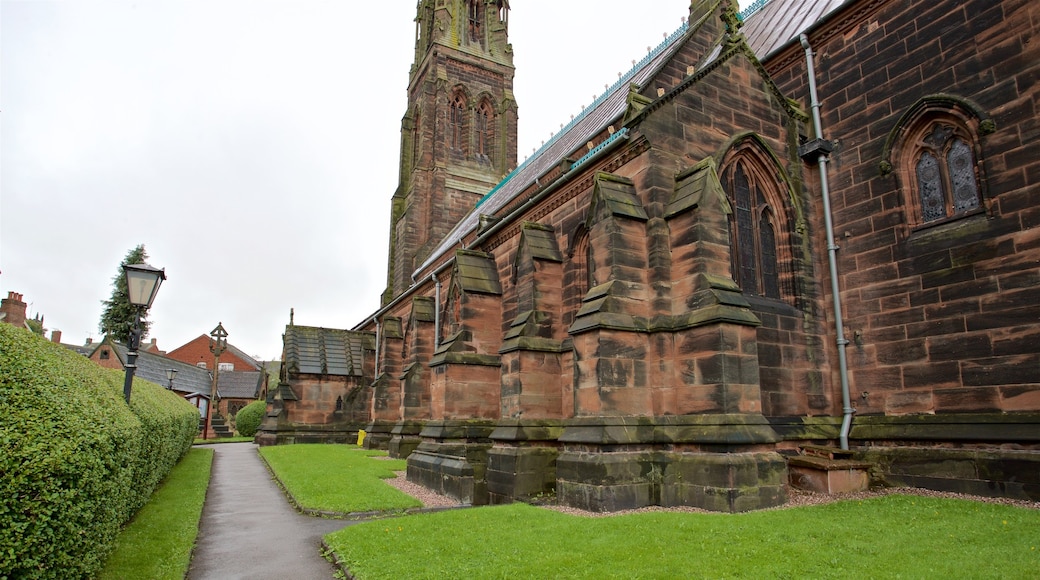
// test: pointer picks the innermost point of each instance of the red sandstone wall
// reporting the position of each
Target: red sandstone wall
(941, 319)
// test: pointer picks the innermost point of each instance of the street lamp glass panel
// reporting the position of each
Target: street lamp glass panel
(142, 283)
(170, 373)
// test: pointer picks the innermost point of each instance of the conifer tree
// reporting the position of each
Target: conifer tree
(117, 320)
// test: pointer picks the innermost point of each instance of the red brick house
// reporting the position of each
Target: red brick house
(197, 352)
(812, 223)
(241, 379)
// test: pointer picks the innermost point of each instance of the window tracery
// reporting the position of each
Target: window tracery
(944, 173)
(757, 233)
(456, 121)
(485, 130)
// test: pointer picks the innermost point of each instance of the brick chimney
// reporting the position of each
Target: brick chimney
(13, 309)
(56, 336)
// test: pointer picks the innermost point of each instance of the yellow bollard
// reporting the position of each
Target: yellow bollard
(361, 438)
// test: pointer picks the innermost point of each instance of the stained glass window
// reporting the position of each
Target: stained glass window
(947, 185)
(962, 176)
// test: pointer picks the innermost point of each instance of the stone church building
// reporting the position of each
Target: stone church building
(811, 223)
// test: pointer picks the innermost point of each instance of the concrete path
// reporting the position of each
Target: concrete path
(248, 528)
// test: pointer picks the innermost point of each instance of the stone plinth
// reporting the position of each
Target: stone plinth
(377, 435)
(452, 459)
(717, 462)
(522, 463)
(404, 438)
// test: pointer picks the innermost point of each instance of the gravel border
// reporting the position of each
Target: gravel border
(795, 498)
(429, 498)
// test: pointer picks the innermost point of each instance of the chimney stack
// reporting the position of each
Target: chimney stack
(56, 336)
(14, 309)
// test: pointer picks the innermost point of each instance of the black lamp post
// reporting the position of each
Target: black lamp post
(170, 373)
(217, 346)
(142, 284)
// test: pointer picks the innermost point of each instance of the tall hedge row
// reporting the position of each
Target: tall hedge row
(75, 462)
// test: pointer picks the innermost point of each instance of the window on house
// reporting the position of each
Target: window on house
(753, 232)
(201, 364)
(485, 133)
(227, 366)
(105, 354)
(944, 173)
(456, 112)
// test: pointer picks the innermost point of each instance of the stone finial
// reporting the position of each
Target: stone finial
(730, 17)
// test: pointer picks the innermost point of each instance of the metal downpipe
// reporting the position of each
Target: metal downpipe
(832, 249)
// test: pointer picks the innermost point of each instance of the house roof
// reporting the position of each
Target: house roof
(239, 384)
(769, 25)
(325, 351)
(152, 367)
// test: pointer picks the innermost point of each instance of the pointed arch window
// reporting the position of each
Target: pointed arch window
(485, 130)
(935, 152)
(475, 20)
(456, 121)
(755, 231)
(579, 274)
(944, 174)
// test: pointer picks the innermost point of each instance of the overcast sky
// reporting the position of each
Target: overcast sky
(252, 147)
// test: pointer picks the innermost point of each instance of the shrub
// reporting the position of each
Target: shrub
(247, 420)
(75, 462)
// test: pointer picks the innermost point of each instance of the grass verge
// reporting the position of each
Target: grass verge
(887, 537)
(338, 478)
(158, 542)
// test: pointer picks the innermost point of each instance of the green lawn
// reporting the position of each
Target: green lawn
(338, 478)
(158, 542)
(887, 537)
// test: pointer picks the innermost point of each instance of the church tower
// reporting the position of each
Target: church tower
(458, 136)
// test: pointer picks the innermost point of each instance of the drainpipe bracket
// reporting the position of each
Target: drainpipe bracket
(811, 151)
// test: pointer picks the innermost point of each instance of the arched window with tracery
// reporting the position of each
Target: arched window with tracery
(456, 121)
(485, 137)
(757, 232)
(935, 152)
(944, 176)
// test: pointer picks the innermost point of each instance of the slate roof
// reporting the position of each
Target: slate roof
(768, 26)
(778, 22)
(152, 367)
(239, 384)
(325, 351)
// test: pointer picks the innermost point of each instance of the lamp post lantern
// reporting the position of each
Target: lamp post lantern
(170, 373)
(217, 345)
(142, 284)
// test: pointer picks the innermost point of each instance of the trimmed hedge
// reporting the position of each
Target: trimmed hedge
(248, 418)
(75, 462)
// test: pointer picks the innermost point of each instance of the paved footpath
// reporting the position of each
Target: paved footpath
(248, 528)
